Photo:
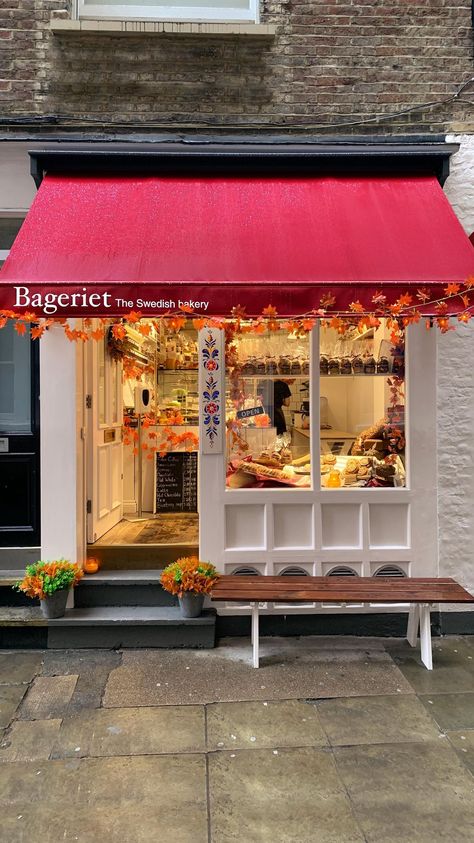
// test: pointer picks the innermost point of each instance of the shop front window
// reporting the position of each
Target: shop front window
(362, 408)
(268, 411)
(15, 381)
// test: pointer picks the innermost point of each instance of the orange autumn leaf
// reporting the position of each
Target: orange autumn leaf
(133, 316)
(98, 334)
(379, 298)
(465, 300)
(118, 331)
(199, 324)
(405, 300)
(37, 332)
(469, 282)
(29, 316)
(20, 328)
(423, 294)
(308, 324)
(452, 289)
(3, 321)
(269, 310)
(238, 312)
(464, 317)
(259, 328)
(144, 329)
(356, 307)
(185, 308)
(327, 300)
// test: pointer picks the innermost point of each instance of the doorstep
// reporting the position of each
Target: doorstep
(107, 627)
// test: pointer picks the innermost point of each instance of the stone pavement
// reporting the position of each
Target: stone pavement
(332, 741)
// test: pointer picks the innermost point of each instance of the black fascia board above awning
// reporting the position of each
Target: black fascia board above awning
(245, 159)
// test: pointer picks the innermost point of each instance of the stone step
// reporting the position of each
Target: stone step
(107, 627)
(123, 588)
(140, 556)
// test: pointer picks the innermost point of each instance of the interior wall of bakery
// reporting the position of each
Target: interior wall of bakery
(455, 405)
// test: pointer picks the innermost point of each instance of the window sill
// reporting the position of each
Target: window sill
(142, 27)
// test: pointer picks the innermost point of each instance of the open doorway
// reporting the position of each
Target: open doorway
(142, 458)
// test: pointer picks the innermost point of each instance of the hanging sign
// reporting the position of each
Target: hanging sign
(211, 390)
(249, 412)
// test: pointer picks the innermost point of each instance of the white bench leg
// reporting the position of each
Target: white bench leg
(255, 634)
(413, 624)
(425, 636)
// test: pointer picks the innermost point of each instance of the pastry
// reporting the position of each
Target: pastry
(363, 472)
(369, 366)
(357, 366)
(349, 479)
(249, 367)
(329, 459)
(285, 456)
(384, 470)
(333, 366)
(284, 365)
(351, 466)
(325, 469)
(364, 462)
(323, 366)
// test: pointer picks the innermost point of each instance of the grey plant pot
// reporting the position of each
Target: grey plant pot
(191, 604)
(54, 605)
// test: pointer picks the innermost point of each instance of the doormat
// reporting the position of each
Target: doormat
(175, 528)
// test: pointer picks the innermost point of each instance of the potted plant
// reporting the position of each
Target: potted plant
(191, 580)
(51, 582)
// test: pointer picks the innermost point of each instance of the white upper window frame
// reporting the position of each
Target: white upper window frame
(172, 12)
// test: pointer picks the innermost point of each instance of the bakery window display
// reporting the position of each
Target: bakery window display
(362, 384)
(268, 411)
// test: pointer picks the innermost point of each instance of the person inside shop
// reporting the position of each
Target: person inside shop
(281, 398)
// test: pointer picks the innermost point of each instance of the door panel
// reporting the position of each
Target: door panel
(104, 441)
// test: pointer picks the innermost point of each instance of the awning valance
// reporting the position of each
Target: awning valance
(106, 245)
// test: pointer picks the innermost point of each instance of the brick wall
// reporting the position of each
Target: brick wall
(330, 62)
(456, 406)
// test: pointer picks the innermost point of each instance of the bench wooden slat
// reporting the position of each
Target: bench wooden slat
(340, 589)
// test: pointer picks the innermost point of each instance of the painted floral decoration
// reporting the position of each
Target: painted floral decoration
(189, 574)
(45, 578)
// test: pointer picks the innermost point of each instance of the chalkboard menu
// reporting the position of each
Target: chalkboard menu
(176, 482)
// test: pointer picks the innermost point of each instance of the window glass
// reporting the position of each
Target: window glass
(9, 228)
(15, 381)
(186, 10)
(362, 401)
(268, 411)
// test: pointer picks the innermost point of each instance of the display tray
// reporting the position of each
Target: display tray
(247, 467)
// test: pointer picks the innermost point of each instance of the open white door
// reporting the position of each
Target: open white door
(104, 439)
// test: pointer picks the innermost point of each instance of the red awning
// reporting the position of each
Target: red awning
(103, 245)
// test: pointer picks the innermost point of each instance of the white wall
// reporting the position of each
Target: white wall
(455, 400)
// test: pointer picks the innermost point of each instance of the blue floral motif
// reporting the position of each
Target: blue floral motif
(211, 392)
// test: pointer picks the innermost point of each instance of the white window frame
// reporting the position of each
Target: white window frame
(173, 12)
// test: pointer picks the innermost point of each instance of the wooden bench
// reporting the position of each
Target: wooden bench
(419, 593)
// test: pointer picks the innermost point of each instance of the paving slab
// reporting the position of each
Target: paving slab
(463, 743)
(10, 698)
(418, 793)
(92, 668)
(368, 720)
(451, 711)
(19, 668)
(295, 669)
(48, 698)
(453, 665)
(132, 731)
(29, 740)
(284, 795)
(253, 725)
(112, 800)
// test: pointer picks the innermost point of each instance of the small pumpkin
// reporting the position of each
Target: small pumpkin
(91, 565)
